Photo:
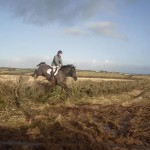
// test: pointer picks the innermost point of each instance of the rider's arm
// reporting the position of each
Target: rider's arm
(61, 61)
(56, 59)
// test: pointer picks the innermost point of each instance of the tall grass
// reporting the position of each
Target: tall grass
(37, 120)
(88, 88)
(41, 92)
(6, 93)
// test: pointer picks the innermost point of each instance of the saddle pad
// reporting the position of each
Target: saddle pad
(55, 70)
(49, 71)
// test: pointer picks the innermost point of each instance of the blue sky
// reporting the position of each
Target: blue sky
(111, 35)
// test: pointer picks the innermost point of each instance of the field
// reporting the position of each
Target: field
(103, 111)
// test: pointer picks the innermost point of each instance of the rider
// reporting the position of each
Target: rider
(57, 62)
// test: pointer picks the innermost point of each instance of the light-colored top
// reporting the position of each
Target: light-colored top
(57, 61)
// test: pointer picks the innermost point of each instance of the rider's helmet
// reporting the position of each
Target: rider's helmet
(60, 52)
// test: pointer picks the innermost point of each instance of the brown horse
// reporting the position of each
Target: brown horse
(60, 78)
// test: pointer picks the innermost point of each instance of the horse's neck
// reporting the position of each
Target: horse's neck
(65, 70)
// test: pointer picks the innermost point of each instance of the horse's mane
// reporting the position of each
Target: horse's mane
(69, 65)
(41, 63)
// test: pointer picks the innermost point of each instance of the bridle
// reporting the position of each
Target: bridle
(70, 73)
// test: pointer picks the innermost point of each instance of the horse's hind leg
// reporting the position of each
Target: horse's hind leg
(34, 75)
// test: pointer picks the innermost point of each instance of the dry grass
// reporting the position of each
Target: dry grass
(96, 115)
(23, 90)
(94, 74)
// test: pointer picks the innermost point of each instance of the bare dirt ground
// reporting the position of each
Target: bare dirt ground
(82, 127)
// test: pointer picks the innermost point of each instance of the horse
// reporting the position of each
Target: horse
(58, 79)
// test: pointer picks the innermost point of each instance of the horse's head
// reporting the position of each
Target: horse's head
(72, 72)
(69, 70)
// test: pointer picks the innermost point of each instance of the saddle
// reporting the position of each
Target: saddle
(53, 70)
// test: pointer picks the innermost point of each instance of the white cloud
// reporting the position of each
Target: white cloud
(107, 61)
(94, 61)
(108, 65)
(107, 29)
(94, 64)
(103, 28)
(74, 31)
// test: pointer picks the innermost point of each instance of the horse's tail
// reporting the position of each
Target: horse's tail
(42, 63)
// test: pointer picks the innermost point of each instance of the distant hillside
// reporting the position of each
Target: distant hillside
(15, 71)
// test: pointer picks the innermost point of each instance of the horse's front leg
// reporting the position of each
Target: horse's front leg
(64, 86)
(52, 80)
